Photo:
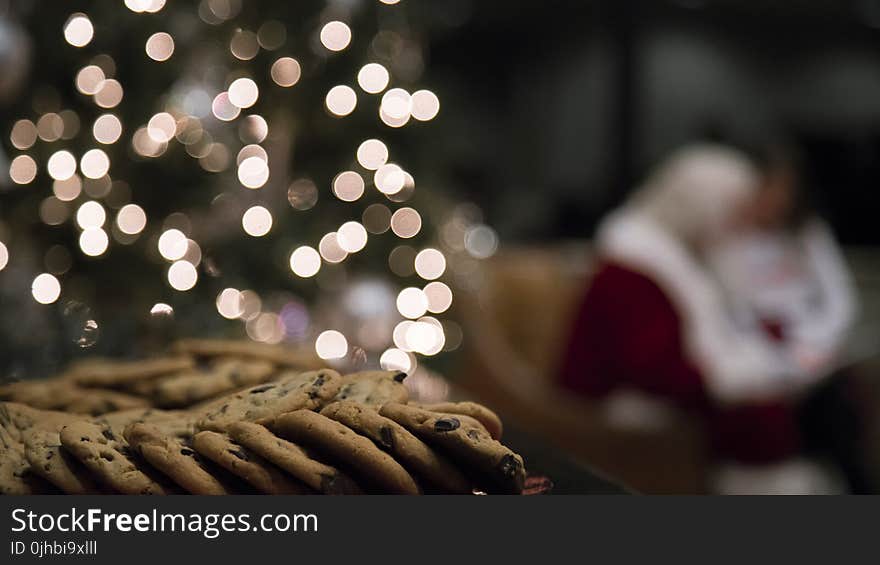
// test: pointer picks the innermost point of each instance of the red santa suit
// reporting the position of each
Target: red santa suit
(654, 320)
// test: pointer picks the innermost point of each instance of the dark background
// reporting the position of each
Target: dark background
(559, 108)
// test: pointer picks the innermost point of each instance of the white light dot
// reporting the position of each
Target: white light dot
(412, 303)
(229, 303)
(182, 275)
(109, 93)
(331, 345)
(160, 46)
(397, 104)
(4, 256)
(93, 241)
(107, 129)
(372, 154)
(223, 109)
(396, 360)
(78, 30)
(91, 215)
(46, 289)
(352, 237)
(439, 297)
(162, 127)
(253, 172)
(94, 164)
(341, 100)
(23, 169)
(252, 150)
(335, 36)
(243, 93)
(286, 71)
(430, 264)
(305, 261)
(89, 79)
(425, 105)
(389, 179)
(131, 219)
(256, 221)
(172, 244)
(406, 223)
(373, 78)
(331, 250)
(161, 309)
(253, 129)
(61, 165)
(348, 186)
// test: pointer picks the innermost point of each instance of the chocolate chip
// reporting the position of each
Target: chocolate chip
(84, 438)
(187, 451)
(386, 437)
(473, 434)
(238, 453)
(508, 466)
(224, 408)
(399, 377)
(446, 424)
(107, 433)
(263, 388)
(319, 381)
(50, 455)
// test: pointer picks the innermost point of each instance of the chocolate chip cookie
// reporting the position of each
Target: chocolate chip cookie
(43, 451)
(224, 375)
(486, 417)
(263, 403)
(357, 454)
(173, 457)
(406, 448)
(119, 374)
(301, 358)
(293, 459)
(374, 387)
(108, 457)
(219, 448)
(467, 444)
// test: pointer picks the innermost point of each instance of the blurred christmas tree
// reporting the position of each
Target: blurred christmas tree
(208, 167)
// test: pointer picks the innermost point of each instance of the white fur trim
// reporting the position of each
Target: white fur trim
(735, 366)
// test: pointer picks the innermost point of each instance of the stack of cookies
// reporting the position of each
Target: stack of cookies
(228, 417)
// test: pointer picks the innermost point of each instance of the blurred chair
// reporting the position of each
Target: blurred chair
(517, 324)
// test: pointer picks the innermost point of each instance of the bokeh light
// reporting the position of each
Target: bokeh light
(91, 215)
(372, 154)
(335, 35)
(61, 165)
(256, 221)
(45, 288)
(160, 46)
(425, 105)
(229, 303)
(348, 186)
(430, 264)
(373, 78)
(439, 297)
(305, 261)
(330, 249)
(341, 100)
(182, 275)
(352, 237)
(23, 169)
(172, 244)
(412, 303)
(107, 129)
(94, 164)
(286, 71)
(131, 219)
(406, 223)
(243, 92)
(78, 30)
(331, 344)
(93, 241)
